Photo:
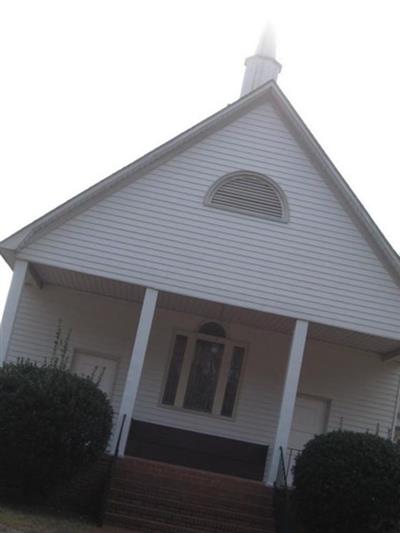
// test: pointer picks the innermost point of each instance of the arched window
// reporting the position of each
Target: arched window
(212, 328)
(249, 193)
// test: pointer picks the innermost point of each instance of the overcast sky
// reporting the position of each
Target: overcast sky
(88, 86)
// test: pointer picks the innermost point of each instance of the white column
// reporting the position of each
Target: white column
(135, 367)
(288, 398)
(11, 308)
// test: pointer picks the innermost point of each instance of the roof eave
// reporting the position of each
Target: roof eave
(362, 214)
(8, 256)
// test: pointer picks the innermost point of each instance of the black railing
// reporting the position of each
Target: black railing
(281, 477)
(291, 456)
(109, 476)
(121, 429)
(282, 497)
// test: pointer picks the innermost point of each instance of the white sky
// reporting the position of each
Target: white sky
(88, 86)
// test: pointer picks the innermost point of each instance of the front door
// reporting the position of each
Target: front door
(309, 419)
(101, 369)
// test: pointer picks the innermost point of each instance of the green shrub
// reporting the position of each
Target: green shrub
(348, 482)
(52, 423)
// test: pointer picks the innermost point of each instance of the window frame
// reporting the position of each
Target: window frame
(192, 337)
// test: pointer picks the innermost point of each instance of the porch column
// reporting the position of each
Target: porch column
(288, 398)
(135, 367)
(11, 308)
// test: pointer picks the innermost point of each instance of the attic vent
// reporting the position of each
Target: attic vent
(249, 193)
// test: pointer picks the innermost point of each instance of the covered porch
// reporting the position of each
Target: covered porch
(203, 383)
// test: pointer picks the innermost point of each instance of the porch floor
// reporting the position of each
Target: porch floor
(149, 496)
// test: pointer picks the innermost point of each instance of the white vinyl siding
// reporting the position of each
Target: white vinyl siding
(361, 388)
(157, 232)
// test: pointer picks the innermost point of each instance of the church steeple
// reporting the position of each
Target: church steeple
(263, 66)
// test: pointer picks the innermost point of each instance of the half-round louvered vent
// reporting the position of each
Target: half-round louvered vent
(249, 193)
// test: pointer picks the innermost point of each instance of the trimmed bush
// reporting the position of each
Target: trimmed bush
(348, 482)
(52, 423)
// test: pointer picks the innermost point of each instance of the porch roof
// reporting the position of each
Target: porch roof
(49, 275)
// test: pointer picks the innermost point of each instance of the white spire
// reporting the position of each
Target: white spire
(263, 66)
(267, 43)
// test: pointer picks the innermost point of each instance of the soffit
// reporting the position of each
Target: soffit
(212, 310)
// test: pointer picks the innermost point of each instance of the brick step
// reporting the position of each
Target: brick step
(130, 465)
(149, 466)
(184, 488)
(222, 503)
(131, 513)
(193, 480)
(150, 496)
(164, 477)
(138, 524)
(177, 506)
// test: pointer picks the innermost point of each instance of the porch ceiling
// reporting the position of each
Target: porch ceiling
(212, 310)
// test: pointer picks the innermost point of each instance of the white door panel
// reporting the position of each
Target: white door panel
(309, 419)
(100, 368)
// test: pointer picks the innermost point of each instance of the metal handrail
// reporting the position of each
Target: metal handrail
(292, 454)
(281, 496)
(282, 473)
(116, 451)
(110, 473)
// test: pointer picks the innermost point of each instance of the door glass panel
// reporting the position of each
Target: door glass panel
(174, 371)
(203, 376)
(233, 381)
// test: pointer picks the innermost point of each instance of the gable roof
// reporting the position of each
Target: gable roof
(16, 242)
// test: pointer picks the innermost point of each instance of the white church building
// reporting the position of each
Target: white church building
(233, 288)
